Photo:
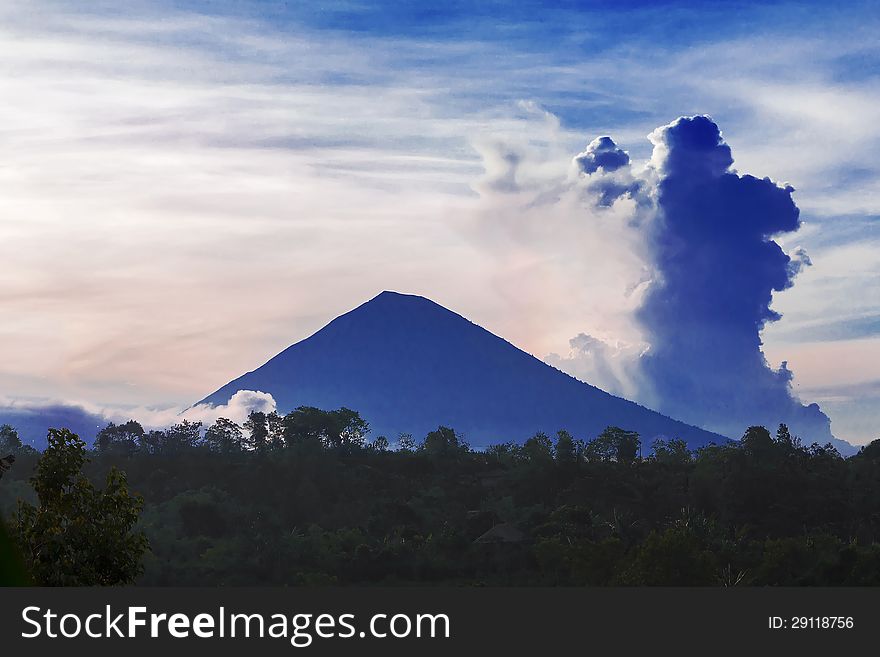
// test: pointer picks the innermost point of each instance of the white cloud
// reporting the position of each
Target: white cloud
(182, 196)
(556, 262)
(237, 409)
(612, 365)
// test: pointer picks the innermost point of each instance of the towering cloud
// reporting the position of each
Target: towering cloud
(606, 168)
(716, 267)
(601, 153)
(669, 268)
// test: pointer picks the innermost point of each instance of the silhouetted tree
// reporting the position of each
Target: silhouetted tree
(342, 428)
(258, 431)
(614, 444)
(224, 436)
(757, 443)
(153, 441)
(77, 535)
(6, 463)
(442, 442)
(671, 452)
(120, 437)
(182, 436)
(567, 448)
(9, 440)
(406, 442)
(538, 449)
(784, 438)
(275, 430)
(762, 511)
(871, 451)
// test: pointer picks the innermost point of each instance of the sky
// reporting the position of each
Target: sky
(186, 188)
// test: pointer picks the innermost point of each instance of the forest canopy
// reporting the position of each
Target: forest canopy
(307, 499)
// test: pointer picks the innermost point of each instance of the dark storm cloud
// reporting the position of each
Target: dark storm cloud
(606, 168)
(717, 267)
(602, 153)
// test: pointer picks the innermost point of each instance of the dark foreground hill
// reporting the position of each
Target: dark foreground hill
(408, 365)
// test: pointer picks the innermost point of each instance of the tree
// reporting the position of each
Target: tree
(342, 428)
(614, 444)
(783, 436)
(183, 436)
(224, 436)
(566, 449)
(380, 444)
(77, 535)
(9, 440)
(12, 571)
(538, 449)
(671, 452)
(353, 429)
(674, 557)
(786, 442)
(153, 441)
(275, 429)
(258, 431)
(758, 443)
(871, 451)
(6, 463)
(120, 437)
(442, 442)
(406, 443)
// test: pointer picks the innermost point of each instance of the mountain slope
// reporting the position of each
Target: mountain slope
(408, 365)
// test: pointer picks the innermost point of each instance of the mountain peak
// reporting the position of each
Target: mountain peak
(408, 364)
(390, 296)
(387, 297)
(393, 315)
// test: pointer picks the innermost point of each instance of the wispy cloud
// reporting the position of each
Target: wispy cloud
(183, 194)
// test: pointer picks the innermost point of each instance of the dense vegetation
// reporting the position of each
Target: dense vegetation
(304, 500)
(75, 535)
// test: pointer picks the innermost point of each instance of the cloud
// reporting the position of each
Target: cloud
(240, 404)
(854, 407)
(612, 364)
(199, 165)
(237, 409)
(836, 299)
(696, 245)
(690, 149)
(604, 175)
(34, 416)
(798, 260)
(716, 270)
(501, 163)
(558, 252)
(672, 269)
(601, 153)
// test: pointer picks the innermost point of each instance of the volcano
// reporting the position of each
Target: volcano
(407, 365)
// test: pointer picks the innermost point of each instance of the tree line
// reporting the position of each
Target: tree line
(307, 499)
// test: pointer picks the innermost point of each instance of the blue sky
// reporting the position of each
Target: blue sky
(189, 187)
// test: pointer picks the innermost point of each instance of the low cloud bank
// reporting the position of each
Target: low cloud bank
(34, 417)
